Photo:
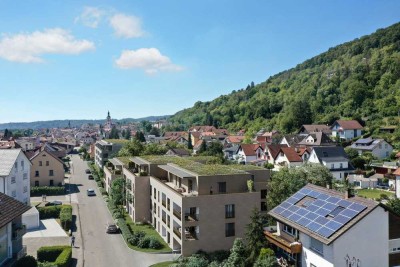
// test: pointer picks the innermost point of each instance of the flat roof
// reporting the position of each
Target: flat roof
(176, 171)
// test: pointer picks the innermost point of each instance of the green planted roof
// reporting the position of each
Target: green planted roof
(190, 164)
(117, 141)
(124, 160)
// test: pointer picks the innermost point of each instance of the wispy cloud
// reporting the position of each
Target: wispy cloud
(29, 47)
(90, 17)
(148, 59)
(126, 26)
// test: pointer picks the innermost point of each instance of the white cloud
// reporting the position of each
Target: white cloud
(90, 16)
(28, 48)
(148, 59)
(126, 26)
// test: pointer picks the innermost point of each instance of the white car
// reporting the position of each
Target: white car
(91, 192)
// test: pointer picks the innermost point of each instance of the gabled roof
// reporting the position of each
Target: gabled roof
(320, 139)
(366, 143)
(179, 151)
(293, 139)
(274, 149)
(322, 213)
(202, 128)
(291, 154)
(314, 128)
(330, 153)
(397, 172)
(7, 160)
(10, 209)
(48, 153)
(236, 139)
(249, 149)
(348, 124)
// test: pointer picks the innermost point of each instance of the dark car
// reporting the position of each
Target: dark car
(112, 228)
(90, 177)
(87, 171)
(53, 203)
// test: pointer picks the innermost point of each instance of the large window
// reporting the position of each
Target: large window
(263, 193)
(317, 246)
(222, 187)
(290, 230)
(51, 173)
(229, 229)
(230, 211)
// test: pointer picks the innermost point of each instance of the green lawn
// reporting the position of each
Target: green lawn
(149, 230)
(163, 264)
(373, 193)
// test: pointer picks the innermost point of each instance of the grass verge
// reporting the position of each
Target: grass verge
(373, 193)
(163, 264)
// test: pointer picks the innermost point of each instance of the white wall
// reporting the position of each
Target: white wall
(20, 190)
(367, 241)
(398, 186)
(383, 151)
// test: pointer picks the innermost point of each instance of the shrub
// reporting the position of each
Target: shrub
(56, 255)
(49, 212)
(100, 184)
(65, 258)
(144, 242)
(154, 243)
(125, 231)
(66, 217)
(384, 196)
(103, 191)
(38, 191)
(26, 261)
(117, 214)
(136, 237)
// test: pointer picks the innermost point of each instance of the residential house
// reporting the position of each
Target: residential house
(250, 154)
(7, 144)
(288, 157)
(359, 181)
(26, 143)
(233, 140)
(323, 227)
(230, 152)
(112, 170)
(378, 147)
(180, 152)
(316, 139)
(334, 158)
(315, 128)
(397, 175)
(346, 129)
(385, 173)
(15, 174)
(47, 169)
(292, 140)
(271, 152)
(175, 195)
(11, 229)
(105, 150)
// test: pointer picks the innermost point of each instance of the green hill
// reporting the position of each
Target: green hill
(357, 79)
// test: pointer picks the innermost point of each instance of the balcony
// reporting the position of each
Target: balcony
(177, 232)
(164, 203)
(177, 214)
(279, 241)
(190, 217)
(18, 232)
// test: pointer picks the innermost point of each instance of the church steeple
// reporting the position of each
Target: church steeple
(108, 116)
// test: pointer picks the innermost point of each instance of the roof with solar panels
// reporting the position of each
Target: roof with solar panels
(322, 213)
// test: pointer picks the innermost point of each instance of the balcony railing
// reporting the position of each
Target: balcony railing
(19, 232)
(177, 214)
(164, 203)
(177, 232)
(190, 217)
(279, 241)
(164, 220)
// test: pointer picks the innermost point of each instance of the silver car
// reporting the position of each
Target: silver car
(91, 192)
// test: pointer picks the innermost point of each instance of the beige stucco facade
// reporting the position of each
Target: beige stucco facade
(193, 212)
(46, 170)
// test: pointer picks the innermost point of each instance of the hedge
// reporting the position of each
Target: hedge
(26, 261)
(49, 212)
(66, 217)
(126, 232)
(60, 256)
(38, 191)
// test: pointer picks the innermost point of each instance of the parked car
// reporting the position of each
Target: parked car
(90, 177)
(111, 228)
(91, 192)
(53, 203)
(87, 171)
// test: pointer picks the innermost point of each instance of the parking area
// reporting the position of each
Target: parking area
(47, 228)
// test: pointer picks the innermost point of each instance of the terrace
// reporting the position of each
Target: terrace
(279, 241)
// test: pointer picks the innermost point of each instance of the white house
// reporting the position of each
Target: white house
(15, 170)
(271, 152)
(250, 153)
(346, 129)
(334, 158)
(323, 227)
(378, 147)
(397, 174)
(288, 157)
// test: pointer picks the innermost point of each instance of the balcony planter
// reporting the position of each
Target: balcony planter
(250, 185)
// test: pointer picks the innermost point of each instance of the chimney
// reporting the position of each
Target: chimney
(349, 193)
(328, 186)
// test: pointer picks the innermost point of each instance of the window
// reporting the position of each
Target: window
(36, 183)
(25, 176)
(290, 230)
(22, 164)
(14, 193)
(317, 246)
(47, 163)
(341, 165)
(222, 187)
(16, 166)
(263, 193)
(230, 211)
(263, 206)
(36, 173)
(229, 229)
(51, 182)
(332, 166)
(13, 180)
(51, 173)
(25, 189)
(40, 163)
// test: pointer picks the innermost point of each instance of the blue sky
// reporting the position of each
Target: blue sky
(79, 59)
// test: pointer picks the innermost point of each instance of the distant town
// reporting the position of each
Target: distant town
(162, 197)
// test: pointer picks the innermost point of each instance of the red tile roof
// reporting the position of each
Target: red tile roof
(274, 149)
(349, 124)
(291, 154)
(397, 172)
(249, 149)
(236, 139)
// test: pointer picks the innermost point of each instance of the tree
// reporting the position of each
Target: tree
(266, 258)
(146, 126)
(131, 148)
(203, 147)
(190, 145)
(255, 239)
(317, 174)
(155, 131)
(114, 133)
(118, 191)
(140, 136)
(358, 163)
(154, 149)
(127, 134)
(394, 204)
(213, 149)
(237, 258)
(351, 152)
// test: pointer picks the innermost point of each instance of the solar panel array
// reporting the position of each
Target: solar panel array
(324, 216)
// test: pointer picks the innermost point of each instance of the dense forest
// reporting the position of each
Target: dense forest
(357, 79)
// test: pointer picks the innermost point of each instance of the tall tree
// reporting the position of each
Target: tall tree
(190, 145)
(237, 258)
(128, 134)
(255, 239)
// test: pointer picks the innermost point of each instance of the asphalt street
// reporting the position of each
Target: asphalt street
(100, 248)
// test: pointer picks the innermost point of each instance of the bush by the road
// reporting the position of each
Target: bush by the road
(60, 256)
(136, 237)
(26, 261)
(38, 191)
(49, 212)
(154, 243)
(66, 217)
(125, 231)
(103, 191)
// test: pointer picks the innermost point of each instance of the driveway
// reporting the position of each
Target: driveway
(99, 248)
(47, 228)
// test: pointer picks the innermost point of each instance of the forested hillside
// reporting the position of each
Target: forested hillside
(357, 79)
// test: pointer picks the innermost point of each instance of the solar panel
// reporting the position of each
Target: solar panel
(313, 226)
(330, 206)
(303, 221)
(294, 217)
(279, 210)
(344, 203)
(299, 195)
(293, 208)
(357, 207)
(349, 213)
(322, 212)
(292, 200)
(321, 220)
(305, 190)
(302, 212)
(285, 205)
(341, 219)
(333, 200)
(311, 216)
(313, 194)
(326, 232)
(312, 208)
(323, 196)
(319, 202)
(286, 213)
(334, 225)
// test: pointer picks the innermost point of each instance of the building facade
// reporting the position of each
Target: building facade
(46, 170)
(104, 150)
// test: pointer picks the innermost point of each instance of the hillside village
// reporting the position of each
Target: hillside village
(171, 179)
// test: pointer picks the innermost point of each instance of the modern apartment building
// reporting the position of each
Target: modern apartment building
(323, 227)
(112, 170)
(104, 151)
(193, 205)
